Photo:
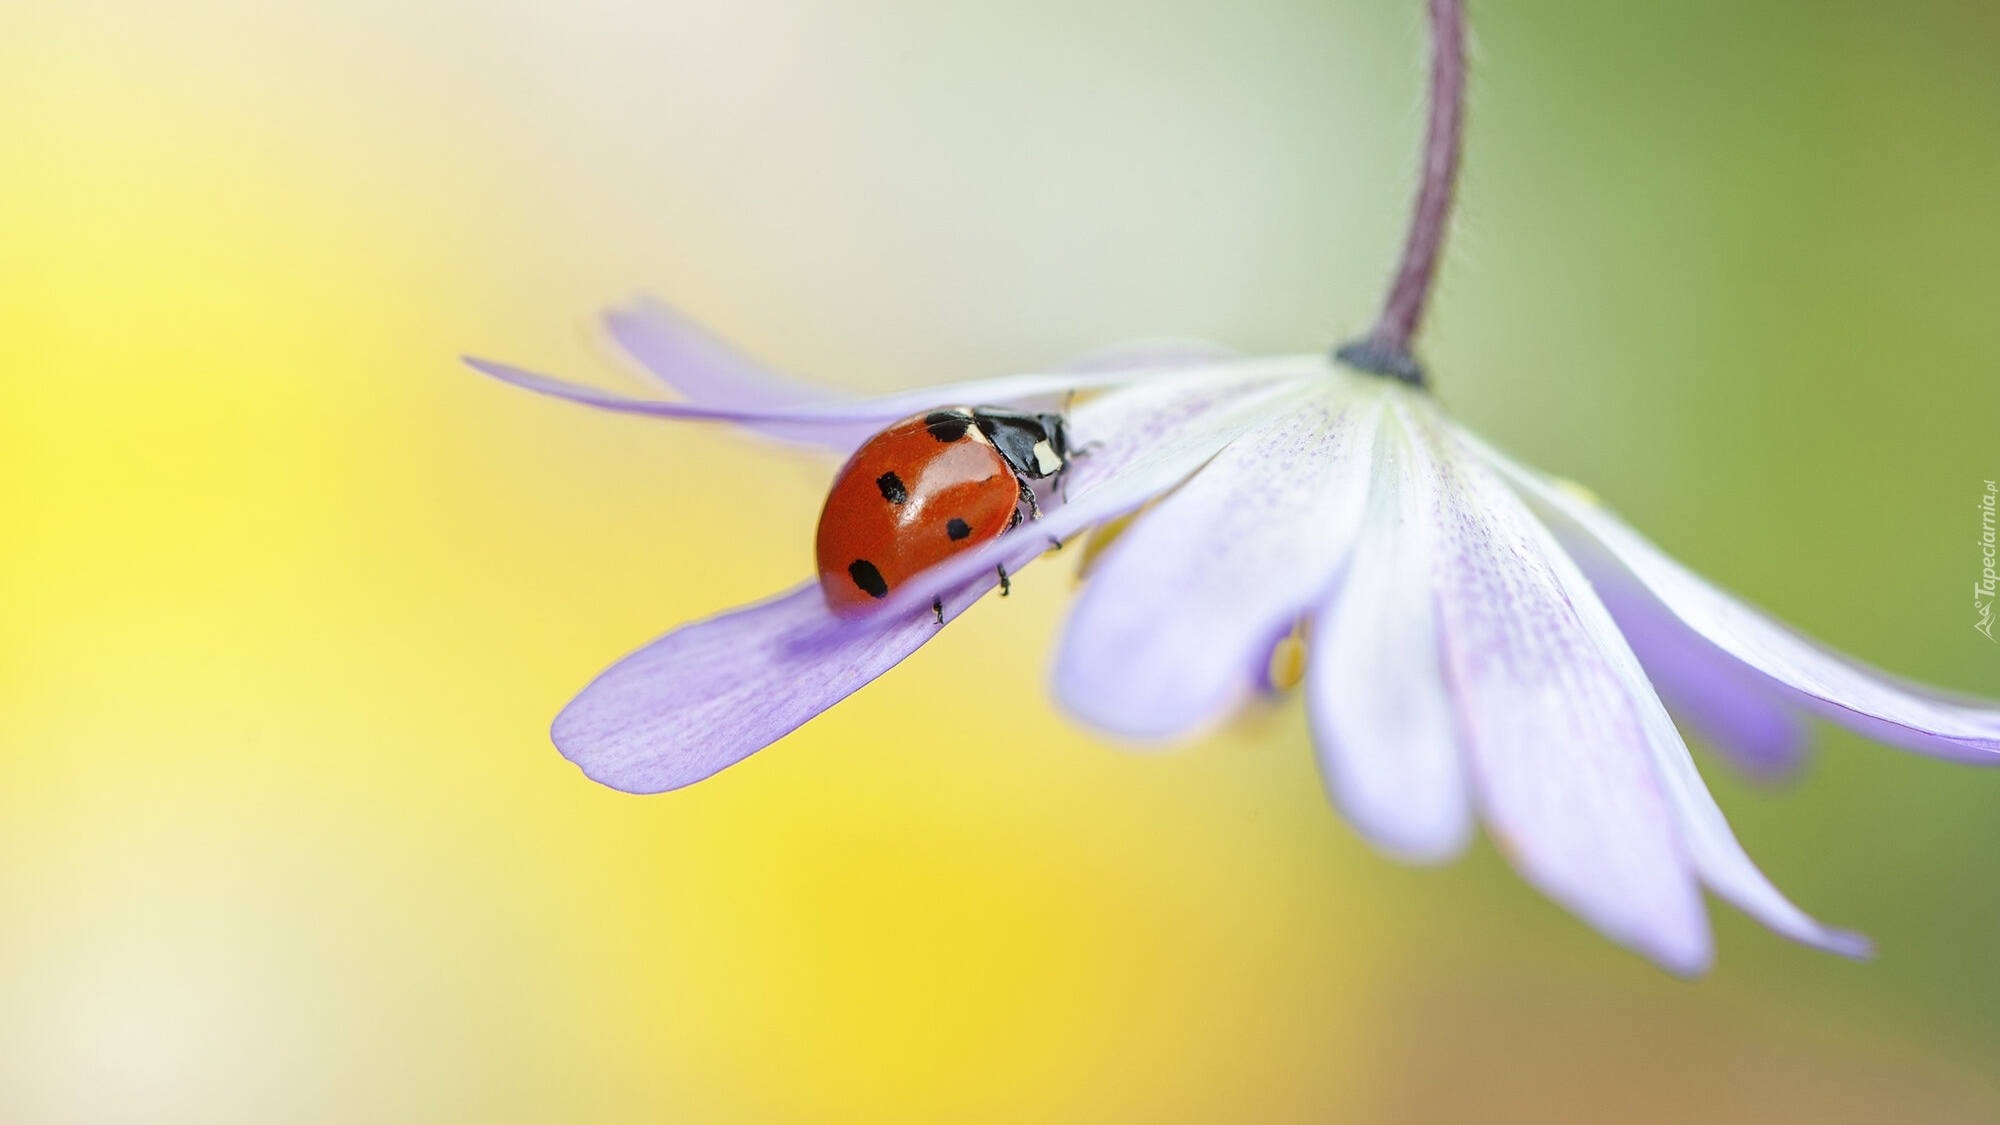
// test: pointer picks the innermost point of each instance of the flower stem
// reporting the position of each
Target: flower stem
(1386, 350)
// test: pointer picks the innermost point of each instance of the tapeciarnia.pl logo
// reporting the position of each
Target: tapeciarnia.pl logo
(1983, 591)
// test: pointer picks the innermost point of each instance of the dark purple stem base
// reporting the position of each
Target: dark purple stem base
(1386, 350)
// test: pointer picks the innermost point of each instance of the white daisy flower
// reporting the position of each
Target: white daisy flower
(1484, 644)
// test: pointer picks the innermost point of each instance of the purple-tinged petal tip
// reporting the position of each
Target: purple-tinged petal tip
(674, 352)
(1739, 712)
(710, 694)
(677, 353)
(628, 404)
(1807, 673)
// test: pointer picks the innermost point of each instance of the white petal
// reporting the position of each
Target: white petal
(1560, 762)
(1832, 684)
(1179, 617)
(1375, 690)
(1718, 858)
(1737, 710)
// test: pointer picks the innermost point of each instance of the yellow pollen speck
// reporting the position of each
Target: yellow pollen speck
(1577, 490)
(1287, 666)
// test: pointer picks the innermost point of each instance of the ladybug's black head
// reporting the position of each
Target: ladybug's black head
(1035, 445)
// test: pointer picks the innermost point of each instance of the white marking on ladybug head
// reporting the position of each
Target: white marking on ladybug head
(1046, 459)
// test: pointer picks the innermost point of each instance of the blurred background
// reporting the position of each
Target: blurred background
(288, 597)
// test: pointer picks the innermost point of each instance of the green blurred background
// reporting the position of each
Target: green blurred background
(287, 597)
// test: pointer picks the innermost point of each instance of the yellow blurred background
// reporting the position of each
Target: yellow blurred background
(288, 597)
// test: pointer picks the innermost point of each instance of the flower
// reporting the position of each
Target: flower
(1485, 642)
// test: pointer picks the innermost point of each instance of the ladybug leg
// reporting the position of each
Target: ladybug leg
(937, 607)
(1054, 543)
(1015, 520)
(1028, 498)
(1006, 585)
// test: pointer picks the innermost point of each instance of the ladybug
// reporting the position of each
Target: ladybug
(926, 489)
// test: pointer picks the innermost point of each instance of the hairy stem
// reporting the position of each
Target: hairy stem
(1386, 350)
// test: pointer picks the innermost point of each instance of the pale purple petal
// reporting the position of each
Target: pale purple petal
(682, 356)
(709, 694)
(878, 411)
(1736, 710)
(678, 354)
(1829, 683)
(1560, 762)
(1177, 623)
(1718, 858)
(1133, 444)
(1375, 690)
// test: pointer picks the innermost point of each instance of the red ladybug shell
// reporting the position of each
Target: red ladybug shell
(916, 494)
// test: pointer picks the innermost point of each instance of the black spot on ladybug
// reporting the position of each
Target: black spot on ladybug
(957, 529)
(947, 425)
(892, 488)
(868, 578)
